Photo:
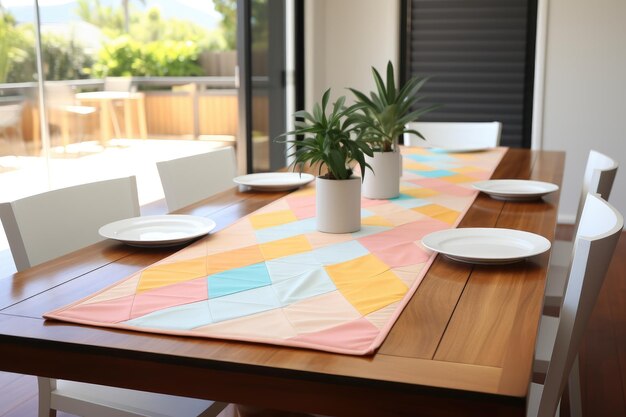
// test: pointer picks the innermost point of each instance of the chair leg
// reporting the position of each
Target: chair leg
(46, 386)
(575, 403)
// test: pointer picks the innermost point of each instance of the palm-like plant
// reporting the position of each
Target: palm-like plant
(385, 113)
(329, 140)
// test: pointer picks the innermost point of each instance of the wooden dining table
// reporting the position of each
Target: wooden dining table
(463, 346)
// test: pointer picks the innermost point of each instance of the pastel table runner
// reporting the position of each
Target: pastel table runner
(272, 278)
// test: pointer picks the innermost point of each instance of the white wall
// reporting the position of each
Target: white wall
(585, 91)
(585, 78)
(344, 39)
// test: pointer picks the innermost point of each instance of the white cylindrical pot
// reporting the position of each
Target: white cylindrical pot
(384, 181)
(338, 205)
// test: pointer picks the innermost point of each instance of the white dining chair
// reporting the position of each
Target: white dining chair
(11, 124)
(48, 225)
(598, 178)
(54, 223)
(559, 338)
(454, 134)
(192, 178)
(62, 104)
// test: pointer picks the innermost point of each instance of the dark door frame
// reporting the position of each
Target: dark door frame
(276, 54)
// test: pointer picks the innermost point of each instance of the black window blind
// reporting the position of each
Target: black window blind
(479, 55)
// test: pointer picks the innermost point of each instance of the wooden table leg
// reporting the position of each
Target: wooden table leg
(105, 119)
(141, 110)
(128, 121)
(65, 129)
(36, 130)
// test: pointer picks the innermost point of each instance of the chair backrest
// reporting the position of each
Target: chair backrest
(124, 84)
(190, 179)
(59, 94)
(598, 232)
(11, 114)
(54, 223)
(599, 175)
(454, 134)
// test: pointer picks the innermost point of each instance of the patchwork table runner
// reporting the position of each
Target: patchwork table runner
(272, 278)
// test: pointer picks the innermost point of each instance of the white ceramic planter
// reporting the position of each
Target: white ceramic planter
(384, 181)
(338, 205)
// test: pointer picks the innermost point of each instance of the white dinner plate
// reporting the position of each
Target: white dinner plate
(274, 181)
(158, 231)
(517, 190)
(486, 245)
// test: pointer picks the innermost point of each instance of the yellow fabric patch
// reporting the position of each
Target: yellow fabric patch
(458, 178)
(418, 192)
(466, 170)
(167, 274)
(367, 283)
(408, 164)
(285, 247)
(438, 212)
(308, 190)
(236, 258)
(376, 221)
(262, 221)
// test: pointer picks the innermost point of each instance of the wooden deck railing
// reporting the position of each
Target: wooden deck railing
(187, 110)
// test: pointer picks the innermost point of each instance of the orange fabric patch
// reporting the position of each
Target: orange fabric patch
(232, 259)
(285, 247)
(438, 212)
(161, 275)
(276, 218)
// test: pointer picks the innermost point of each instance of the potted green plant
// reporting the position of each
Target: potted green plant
(383, 117)
(330, 142)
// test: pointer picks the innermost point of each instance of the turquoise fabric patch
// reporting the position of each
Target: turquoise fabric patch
(243, 304)
(409, 202)
(369, 230)
(183, 317)
(281, 271)
(237, 280)
(306, 285)
(438, 173)
(284, 231)
(340, 252)
(429, 158)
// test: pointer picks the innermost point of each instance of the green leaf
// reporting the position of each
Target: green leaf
(391, 87)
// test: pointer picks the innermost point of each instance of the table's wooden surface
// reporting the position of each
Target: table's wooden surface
(463, 345)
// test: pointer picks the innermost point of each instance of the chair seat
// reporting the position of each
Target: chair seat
(70, 396)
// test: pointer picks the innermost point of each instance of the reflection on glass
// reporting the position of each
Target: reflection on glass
(120, 74)
(267, 28)
(259, 57)
(127, 83)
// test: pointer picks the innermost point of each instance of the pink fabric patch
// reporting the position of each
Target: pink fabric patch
(302, 206)
(402, 255)
(430, 182)
(406, 233)
(444, 187)
(112, 311)
(480, 175)
(356, 335)
(170, 296)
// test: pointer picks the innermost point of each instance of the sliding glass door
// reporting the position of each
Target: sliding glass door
(263, 69)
